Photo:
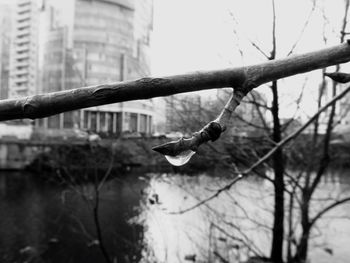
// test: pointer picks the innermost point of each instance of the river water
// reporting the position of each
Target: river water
(142, 220)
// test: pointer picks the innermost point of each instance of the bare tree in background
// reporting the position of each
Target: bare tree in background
(313, 158)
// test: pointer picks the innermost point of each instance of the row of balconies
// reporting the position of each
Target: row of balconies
(22, 71)
(21, 48)
(23, 2)
(23, 17)
(23, 32)
(24, 63)
(20, 87)
(22, 55)
(24, 9)
(22, 40)
(23, 79)
(23, 24)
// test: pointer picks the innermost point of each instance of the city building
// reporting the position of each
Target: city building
(5, 36)
(91, 42)
(24, 50)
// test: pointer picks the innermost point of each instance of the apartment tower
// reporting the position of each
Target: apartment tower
(24, 50)
(90, 42)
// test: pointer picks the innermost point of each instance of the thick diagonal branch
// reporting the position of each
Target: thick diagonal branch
(249, 77)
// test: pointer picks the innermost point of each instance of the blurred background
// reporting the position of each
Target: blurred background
(85, 186)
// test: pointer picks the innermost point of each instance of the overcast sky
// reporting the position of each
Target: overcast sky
(192, 35)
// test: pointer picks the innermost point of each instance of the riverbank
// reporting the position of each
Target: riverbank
(120, 156)
(125, 154)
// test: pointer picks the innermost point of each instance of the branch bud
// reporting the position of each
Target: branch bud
(339, 77)
(210, 132)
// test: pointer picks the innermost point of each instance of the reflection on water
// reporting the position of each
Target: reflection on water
(141, 220)
(236, 224)
(55, 224)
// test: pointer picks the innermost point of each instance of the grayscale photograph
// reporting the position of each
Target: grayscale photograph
(174, 131)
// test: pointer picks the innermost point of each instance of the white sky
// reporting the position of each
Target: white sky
(192, 35)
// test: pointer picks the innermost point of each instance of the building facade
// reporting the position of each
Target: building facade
(91, 42)
(24, 50)
(5, 33)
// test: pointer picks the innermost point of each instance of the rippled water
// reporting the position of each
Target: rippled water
(142, 221)
(237, 223)
(41, 223)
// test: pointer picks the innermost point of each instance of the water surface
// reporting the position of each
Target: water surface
(142, 220)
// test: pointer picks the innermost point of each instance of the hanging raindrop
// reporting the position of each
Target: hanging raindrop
(181, 158)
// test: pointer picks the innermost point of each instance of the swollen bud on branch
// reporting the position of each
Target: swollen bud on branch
(211, 132)
(179, 152)
(339, 77)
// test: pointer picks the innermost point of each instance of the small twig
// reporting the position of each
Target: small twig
(326, 209)
(268, 155)
(210, 132)
(307, 21)
(217, 193)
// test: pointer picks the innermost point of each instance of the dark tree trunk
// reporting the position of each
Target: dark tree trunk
(278, 167)
(302, 249)
(301, 255)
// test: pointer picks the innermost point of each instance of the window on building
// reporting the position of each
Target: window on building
(53, 122)
(126, 121)
(86, 120)
(68, 121)
(150, 124)
(109, 119)
(101, 56)
(133, 122)
(143, 123)
(103, 126)
(118, 123)
(40, 122)
(93, 120)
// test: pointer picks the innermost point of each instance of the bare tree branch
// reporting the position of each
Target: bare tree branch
(248, 77)
(268, 155)
(326, 209)
(337, 77)
(307, 21)
(256, 46)
(204, 201)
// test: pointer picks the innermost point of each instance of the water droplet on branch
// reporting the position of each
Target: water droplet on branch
(181, 158)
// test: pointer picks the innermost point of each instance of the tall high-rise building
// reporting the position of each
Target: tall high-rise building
(24, 49)
(5, 36)
(90, 42)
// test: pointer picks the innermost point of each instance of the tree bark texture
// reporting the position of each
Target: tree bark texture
(247, 78)
(278, 167)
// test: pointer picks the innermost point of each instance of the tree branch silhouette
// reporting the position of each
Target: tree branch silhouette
(266, 156)
(249, 77)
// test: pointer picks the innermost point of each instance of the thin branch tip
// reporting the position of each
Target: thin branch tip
(210, 132)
